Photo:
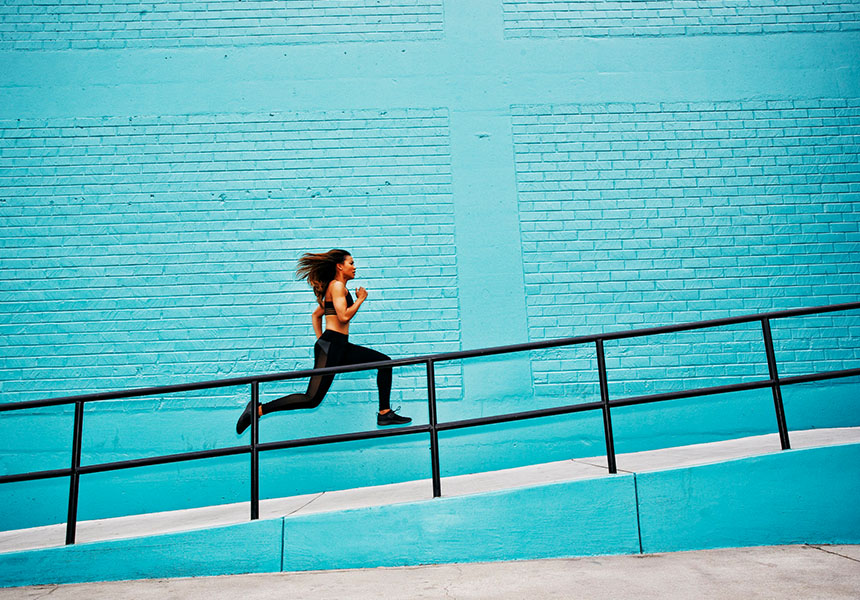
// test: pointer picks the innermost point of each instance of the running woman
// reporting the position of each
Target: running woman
(328, 273)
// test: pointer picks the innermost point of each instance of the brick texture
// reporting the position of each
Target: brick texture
(635, 215)
(565, 18)
(154, 250)
(82, 24)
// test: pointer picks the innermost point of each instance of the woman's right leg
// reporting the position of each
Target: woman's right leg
(326, 354)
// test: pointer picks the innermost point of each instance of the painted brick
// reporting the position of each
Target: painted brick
(167, 253)
(563, 18)
(762, 238)
(113, 24)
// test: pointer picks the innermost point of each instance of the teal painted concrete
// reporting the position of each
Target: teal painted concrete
(489, 259)
(309, 470)
(253, 547)
(578, 518)
(699, 420)
(791, 497)
(500, 179)
(469, 73)
(47, 499)
(795, 497)
(821, 406)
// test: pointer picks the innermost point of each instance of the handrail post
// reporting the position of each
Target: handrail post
(255, 453)
(604, 398)
(74, 479)
(777, 392)
(434, 434)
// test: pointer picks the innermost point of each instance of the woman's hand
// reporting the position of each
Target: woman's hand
(361, 293)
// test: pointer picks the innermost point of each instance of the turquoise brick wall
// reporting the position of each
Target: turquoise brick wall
(635, 215)
(500, 175)
(149, 248)
(105, 24)
(561, 18)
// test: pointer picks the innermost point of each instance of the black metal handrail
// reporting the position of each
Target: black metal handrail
(605, 404)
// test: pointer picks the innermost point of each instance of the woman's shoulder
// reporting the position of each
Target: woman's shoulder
(335, 287)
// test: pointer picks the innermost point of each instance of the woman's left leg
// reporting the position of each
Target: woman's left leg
(354, 354)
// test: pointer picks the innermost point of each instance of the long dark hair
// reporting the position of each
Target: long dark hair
(320, 269)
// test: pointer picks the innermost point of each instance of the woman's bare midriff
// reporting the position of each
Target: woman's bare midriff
(335, 324)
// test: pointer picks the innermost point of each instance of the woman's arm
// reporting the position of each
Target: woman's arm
(338, 297)
(316, 319)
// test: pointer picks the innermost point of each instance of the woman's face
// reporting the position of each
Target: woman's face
(348, 267)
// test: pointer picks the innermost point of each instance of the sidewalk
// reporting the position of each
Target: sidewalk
(802, 572)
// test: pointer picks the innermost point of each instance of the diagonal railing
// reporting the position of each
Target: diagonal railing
(605, 404)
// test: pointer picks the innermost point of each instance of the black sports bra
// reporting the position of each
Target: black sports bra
(329, 305)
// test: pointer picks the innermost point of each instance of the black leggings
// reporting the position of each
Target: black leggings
(334, 350)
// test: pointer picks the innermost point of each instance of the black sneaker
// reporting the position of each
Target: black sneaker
(391, 418)
(244, 419)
